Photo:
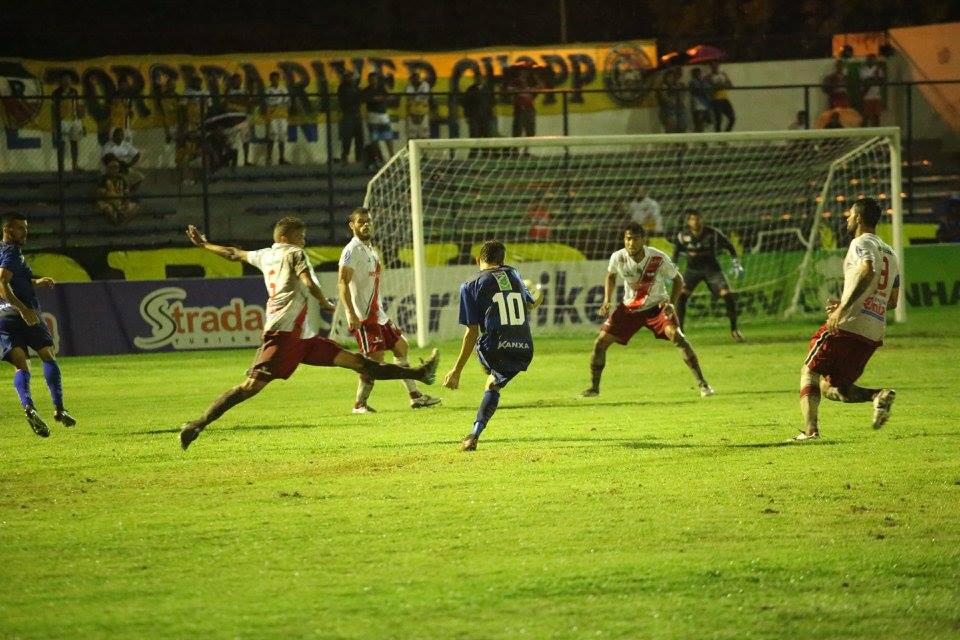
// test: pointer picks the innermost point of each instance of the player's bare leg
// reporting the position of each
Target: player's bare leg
(810, 389)
(598, 360)
(675, 335)
(51, 374)
(730, 300)
(882, 399)
(426, 373)
(365, 387)
(21, 382)
(488, 406)
(250, 387)
(418, 400)
(682, 305)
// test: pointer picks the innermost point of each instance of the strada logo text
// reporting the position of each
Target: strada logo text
(176, 325)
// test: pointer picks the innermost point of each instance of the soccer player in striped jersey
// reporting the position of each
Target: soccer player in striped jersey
(493, 308)
(359, 287)
(291, 330)
(840, 349)
(702, 244)
(646, 303)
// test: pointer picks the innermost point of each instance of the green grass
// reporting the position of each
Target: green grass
(644, 513)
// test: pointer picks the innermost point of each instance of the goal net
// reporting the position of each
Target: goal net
(560, 206)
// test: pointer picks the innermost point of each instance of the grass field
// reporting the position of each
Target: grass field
(644, 513)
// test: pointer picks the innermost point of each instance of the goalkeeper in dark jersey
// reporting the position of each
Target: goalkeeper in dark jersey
(702, 243)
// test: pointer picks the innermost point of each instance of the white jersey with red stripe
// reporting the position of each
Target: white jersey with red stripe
(644, 280)
(867, 315)
(290, 306)
(364, 260)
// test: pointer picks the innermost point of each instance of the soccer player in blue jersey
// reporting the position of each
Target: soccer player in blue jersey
(493, 308)
(22, 327)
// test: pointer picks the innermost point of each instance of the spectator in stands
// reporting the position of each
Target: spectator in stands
(237, 100)
(720, 99)
(417, 107)
(834, 122)
(670, 96)
(121, 150)
(277, 112)
(538, 217)
(523, 90)
(645, 211)
(800, 122)
(68, 111)
(349, 99)
(113, 193)
(700, 91)
(835, 86)
(195, 104)
(872, 78)
(949, 229)
(121, 108)
(376, 99)
(478, 102)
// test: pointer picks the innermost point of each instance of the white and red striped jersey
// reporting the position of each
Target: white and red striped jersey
(644, 281)
(867, 316)
(365, 283)
(290, 306)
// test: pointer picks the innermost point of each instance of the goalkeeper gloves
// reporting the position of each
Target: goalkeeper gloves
(736, 269)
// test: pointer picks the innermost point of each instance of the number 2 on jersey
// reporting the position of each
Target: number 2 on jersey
(512, 309)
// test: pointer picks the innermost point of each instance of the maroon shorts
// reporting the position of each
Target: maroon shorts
(281, 352)
(840, 358)
(374, 338)
(622, 323)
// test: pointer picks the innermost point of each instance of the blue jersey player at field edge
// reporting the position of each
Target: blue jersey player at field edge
(22, 327)
(493, 308)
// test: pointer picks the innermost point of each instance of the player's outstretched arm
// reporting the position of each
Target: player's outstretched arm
(470, 336)
(609, 286)
(199, 240)
(316, 291)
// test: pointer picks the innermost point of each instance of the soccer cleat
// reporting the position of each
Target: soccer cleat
(803, 436)
(590, 393)
(469, 443)
(881, 407)
(429, 368)
(363, 408)
(189, 432)
(64, 418)
(36, 422)
(736, 335)
(423, 400)
(706, 390)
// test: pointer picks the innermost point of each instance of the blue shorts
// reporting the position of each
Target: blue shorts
(502, 372)
(14, 332)
(380, 132)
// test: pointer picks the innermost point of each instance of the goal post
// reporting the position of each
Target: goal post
(560, 203)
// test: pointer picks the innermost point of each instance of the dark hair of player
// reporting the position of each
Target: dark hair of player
(636, 229)
(286, 226)
(9, 218)
(870, 211)
(493, 252)
(692, 212)
(356, 213)
(274, 74)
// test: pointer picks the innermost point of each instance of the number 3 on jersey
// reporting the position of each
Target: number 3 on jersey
(884, 276)
(511, 307)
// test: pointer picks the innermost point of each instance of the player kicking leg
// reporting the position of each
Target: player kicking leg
(383, 338)
(279, 356)
(493, 308)
(645, 304)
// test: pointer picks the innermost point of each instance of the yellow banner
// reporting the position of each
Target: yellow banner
(612, 69)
